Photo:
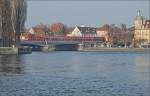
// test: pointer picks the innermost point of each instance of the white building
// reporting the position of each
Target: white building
(84, 32)
(31, 31)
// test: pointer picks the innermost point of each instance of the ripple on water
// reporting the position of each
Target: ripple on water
(75, 74)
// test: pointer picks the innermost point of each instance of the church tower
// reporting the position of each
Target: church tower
(139, 20)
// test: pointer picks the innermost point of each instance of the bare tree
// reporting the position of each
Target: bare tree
(12, 19)
(139, 42)
(42, 29)
(109, 35)
(6, 26)
(1, 2)
(58, 28)
(125, 35)
(18, 16)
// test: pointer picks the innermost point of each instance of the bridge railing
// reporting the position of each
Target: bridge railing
(64, 38)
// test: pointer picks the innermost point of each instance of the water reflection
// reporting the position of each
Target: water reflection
(75, 74)
(142, 67)
(142, 63)
(11, 64)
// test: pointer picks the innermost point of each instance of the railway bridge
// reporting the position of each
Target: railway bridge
(64, 43)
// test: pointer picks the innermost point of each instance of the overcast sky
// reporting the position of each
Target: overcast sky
(89, 13)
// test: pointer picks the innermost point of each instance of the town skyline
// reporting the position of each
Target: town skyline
(67, 12)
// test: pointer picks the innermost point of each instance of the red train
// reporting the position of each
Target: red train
(63, 38)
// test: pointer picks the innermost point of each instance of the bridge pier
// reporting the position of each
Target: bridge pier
(95, 45)
(66, 47)
(8, 50)
(48, 48)
(80, 46)
(14, 50)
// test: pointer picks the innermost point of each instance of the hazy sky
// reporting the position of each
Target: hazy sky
(89, 13)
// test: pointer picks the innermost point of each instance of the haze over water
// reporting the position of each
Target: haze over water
(75, 74)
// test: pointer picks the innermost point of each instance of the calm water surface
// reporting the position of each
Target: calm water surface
(75, 74)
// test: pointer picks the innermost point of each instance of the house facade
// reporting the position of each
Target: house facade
(101, 32)
(83, 32)
(142, 30)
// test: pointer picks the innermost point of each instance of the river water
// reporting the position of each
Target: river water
(75, 74)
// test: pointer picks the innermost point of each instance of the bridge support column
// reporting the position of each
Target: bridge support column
(95, 45)
(80, 46)
(48, 48)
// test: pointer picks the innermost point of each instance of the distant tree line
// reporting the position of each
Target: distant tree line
(12, 20)
(53, 29)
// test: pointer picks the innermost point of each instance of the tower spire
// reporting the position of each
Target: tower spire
(139, 13)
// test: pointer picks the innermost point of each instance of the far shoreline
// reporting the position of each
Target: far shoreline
(98, 49)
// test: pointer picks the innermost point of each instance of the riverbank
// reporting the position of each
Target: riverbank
(14, 50)
(8, 50)
(117, 49)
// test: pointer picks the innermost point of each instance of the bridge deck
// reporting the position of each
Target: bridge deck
(61, 40)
